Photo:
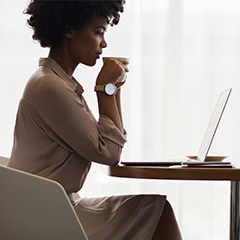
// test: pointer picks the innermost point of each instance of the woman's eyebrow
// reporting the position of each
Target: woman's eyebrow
(104, 28)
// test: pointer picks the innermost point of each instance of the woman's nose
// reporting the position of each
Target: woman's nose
(103, 43)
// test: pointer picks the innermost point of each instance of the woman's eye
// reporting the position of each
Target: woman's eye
(99, 33)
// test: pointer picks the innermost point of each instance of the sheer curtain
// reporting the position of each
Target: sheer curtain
(183, 53)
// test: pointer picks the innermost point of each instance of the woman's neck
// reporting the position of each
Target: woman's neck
(61, 56)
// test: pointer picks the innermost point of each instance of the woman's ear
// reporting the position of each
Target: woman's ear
(69, 33)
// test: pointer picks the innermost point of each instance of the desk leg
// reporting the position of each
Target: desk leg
(235, 211)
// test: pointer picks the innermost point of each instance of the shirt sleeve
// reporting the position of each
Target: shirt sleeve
(67, 119)
(108, 130)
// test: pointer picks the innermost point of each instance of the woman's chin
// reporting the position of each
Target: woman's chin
(90, 64)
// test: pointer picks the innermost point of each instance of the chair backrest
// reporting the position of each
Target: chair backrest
(33, 207)
(4, 161)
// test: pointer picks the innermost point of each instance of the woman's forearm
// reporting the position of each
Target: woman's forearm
(119, 106)
(108, 106)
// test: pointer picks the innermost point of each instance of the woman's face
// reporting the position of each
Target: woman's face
(87, 43)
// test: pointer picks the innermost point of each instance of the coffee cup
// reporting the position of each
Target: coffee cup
(123, 77)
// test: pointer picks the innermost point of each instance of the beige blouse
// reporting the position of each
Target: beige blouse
(56, 135)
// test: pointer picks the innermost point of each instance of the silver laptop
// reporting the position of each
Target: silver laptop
(201, 158)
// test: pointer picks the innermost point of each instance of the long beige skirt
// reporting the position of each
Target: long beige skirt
(127, 217)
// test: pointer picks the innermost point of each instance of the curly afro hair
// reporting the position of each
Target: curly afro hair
(50, 19)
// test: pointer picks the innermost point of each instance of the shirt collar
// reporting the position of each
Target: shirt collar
(71, 81)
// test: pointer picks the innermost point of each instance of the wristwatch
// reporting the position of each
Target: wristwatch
(108, 88)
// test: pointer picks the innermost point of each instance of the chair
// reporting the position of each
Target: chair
(4, 160)
(36, 208)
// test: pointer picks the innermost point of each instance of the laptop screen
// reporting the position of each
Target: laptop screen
(213, 124)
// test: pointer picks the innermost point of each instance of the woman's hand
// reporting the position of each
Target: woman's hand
(111, 71)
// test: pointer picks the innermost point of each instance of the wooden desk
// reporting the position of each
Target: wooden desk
(212, 174)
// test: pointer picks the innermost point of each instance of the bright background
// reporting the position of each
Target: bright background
(183, 53)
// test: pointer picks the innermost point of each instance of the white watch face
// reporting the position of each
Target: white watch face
(110, 89)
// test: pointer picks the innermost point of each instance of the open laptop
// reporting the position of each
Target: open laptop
(201, 158)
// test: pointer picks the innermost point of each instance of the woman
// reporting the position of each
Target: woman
(57, 137)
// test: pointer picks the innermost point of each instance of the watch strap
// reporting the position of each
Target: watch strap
(99, 88)
(108, 88)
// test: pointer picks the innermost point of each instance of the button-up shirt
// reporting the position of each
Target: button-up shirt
(56, 136)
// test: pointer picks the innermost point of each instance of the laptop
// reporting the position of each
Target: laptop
(201, 159)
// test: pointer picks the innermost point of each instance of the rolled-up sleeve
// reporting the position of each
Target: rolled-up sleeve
(108, 130)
